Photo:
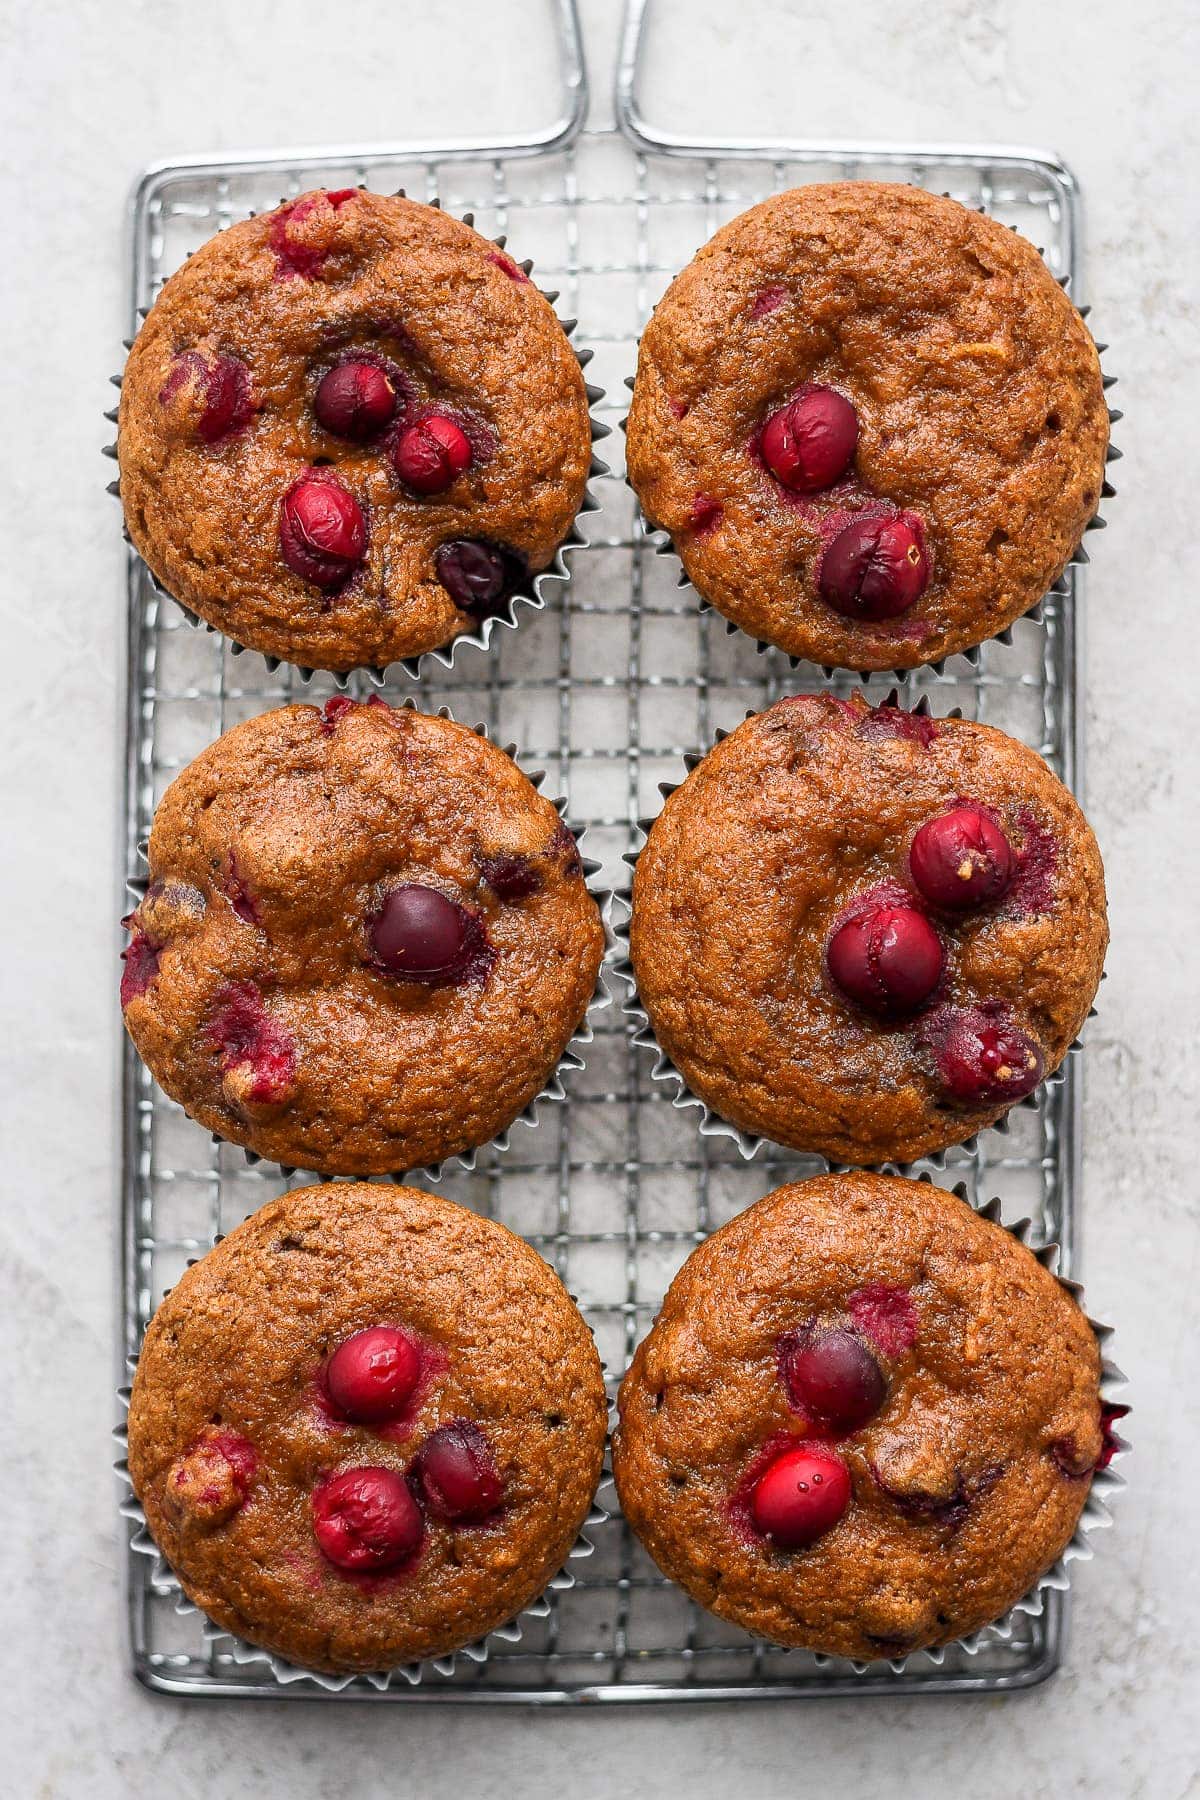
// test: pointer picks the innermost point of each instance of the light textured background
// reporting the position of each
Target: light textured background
(95, 90)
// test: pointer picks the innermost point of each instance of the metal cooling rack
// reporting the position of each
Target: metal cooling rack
(606, 689)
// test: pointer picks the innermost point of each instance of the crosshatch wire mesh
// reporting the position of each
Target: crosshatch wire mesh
(606, 689)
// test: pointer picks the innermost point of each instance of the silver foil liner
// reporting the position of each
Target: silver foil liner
(571, 1059)
(164, 1581)
(541, 587)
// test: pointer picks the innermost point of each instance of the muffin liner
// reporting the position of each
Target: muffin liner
(553, 1091)
(664, 545)
(163, 1581)
(541, 587)
(664, 1072)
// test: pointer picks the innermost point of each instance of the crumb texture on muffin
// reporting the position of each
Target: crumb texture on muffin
(967, 1477)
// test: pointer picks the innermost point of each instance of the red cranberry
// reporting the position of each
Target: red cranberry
(474, 574)
(220, 400)
(334, 710)
(366, 1519)
(431, 454)
(800, 1497)
(371, 1377)
(809, 444)
(875, 568)
(457, 1474)
(961, 859)
(355, 400)
(322, 532)
(141, 966)
(886, 1315)
(425, 936)
(251, 1044)
(212, 1479)
(984, 1060)
(511, 875)
(832, 1377)
(887, 959)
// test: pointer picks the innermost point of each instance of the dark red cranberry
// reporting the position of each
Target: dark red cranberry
(984, 1060)
(366, 1519)
(423, 935)
(355, 400)
(372, 1376)
(961, 860)
(887, 959)
(706, 515)
(800, 1497)
(832, 1378)
(247, 1037)
(511, 875)
(141, 966)
(334, 710)
(810, 443)
(432, 454)
(221, 402)
(457, 1473)
(886, 1315)
(876, 568)
(475, 575)
(322, 532)
(509, 267)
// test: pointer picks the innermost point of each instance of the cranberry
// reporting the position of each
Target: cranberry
(888, 959)
(322, 532)
(961, 859)
(706, 515)
(457, 1474)
(511, 875)
(212, 392)
(355, 400)
(425, 936)
(211, 1480)
(800, 1497)
(141, 966)
(371, 1377)
(876, 568)
(432, 454)
(832, 1377)
(886, 1315)
(247, 1037)
(305, 233)
(334, 710)
(984, 1060)
(476, 576)
(366, 1519)
(810, 443)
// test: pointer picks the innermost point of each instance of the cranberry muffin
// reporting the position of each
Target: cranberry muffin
(864, 932)
(350, 430)
(872, 422)
(366, 940)
(865, 1421)
(367, 1427)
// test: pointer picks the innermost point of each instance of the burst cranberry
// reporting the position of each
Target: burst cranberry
(355, 400)
(258, 1058)
(372, 1376)
(457, 1474)
(800, 1497)
(425, 936)
(141, 965)
(961, 859)
(887, 959)
(832, 1377)
(875, 568)
(367, 1520)
(475, 575)
(984, 1060)
(212, 1479)
(431, 454)
(809, 444)
(322, 532)
(210, 393)
(886, 1315)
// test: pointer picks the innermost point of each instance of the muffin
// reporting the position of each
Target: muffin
(367, 1427)
(865, 1421)
(864, 932)
(350, 430)
(872, 422)
(366, 939)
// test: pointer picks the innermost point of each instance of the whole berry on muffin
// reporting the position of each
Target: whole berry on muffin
(865, 1421)
(367, 1427)
(350, 430)
(865, 932)
(366, 940)
(872, 422)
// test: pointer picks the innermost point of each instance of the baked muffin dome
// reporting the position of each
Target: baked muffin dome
(367, 1427)
(872, 422)
(350, 429)
(864, 932)
(366, 940)
(865, 1421)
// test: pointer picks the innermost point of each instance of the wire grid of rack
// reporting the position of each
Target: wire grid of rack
(606, 690)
